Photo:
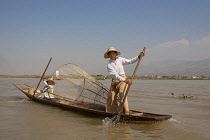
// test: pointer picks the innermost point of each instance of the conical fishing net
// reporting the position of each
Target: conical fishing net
(73, 82)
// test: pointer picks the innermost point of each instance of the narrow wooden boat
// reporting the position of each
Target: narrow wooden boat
(89, 108)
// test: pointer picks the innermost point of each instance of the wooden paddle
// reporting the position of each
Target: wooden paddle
(42, 76)
(117, 118)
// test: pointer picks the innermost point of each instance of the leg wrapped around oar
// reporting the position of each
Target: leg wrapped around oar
(124, 106)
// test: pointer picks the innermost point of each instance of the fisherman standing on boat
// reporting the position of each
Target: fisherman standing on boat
(116, 71)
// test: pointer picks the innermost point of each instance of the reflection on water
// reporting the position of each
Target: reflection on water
(22, 118)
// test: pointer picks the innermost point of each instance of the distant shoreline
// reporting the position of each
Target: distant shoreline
(21, 76)
(100, 78)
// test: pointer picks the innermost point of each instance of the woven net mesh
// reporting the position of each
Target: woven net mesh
(73, 82)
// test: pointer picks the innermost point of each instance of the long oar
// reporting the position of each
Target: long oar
(42, 76)
(117, 118)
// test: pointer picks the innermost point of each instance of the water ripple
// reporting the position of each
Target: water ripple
(13, 99)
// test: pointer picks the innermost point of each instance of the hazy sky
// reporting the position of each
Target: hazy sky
(80, 31)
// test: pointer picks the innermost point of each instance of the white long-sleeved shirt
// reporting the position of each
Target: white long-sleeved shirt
(48, 88)
(115, 67)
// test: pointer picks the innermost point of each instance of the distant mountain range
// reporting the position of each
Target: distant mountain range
(177, 67)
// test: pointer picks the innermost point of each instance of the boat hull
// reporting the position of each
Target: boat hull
(91, 109)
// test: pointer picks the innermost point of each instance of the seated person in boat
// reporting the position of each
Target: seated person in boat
(119, 82)
(48, 88)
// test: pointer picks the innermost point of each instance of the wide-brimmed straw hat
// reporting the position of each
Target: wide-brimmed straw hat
(111, 49)
(51, 81)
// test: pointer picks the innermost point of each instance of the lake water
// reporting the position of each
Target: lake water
(23, 119)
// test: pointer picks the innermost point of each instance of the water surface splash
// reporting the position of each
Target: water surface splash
(173, 120)
(108, 122)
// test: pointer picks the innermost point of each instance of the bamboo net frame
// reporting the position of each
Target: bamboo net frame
(73, 82)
